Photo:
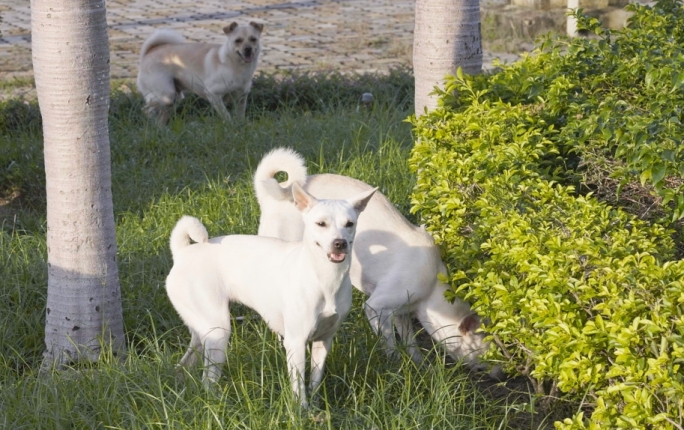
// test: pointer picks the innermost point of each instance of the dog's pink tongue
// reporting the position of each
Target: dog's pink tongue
(339, 257)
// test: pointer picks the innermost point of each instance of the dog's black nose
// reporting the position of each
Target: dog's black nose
(248, 51)
(340, 244)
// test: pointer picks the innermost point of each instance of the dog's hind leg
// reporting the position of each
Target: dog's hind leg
(319, 351)
(215, 344)
(392, 298)
(159, 111)
(296, 365)
(164, 113)
(195, 349)
(159, 100)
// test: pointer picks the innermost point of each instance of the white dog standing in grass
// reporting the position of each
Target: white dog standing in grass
(301, 289)
(394, 262)
(170, 66)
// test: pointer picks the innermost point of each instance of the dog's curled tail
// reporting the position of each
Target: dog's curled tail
(161, 37)
(278, 160)
(187, 228)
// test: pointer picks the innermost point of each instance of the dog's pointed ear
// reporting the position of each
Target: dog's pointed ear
(360, 201)
(230, 27)
(469, 324)
(259, 26)
(302, 200)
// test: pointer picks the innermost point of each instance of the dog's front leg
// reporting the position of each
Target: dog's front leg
(240, 104)
(319, 351)
(381, 322)
(408, 336)
(296, 365)
(216, 102)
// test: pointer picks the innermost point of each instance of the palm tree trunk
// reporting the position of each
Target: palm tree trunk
(571, 23)
(446, 36)
(71, 66)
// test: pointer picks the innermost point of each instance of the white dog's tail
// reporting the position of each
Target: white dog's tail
(279, 160)
(161, 37)
(187, 228)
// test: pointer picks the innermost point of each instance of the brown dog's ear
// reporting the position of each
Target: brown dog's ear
(469, 324)
(230, 27)
(257, 25)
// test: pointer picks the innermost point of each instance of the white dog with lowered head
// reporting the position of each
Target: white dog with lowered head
(169, 66)
(394, 262)
(301, 289)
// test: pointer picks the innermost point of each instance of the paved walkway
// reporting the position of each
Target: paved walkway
(350, 35)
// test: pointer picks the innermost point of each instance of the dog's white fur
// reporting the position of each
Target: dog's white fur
(394, 262)
(301, 289)
(169, 66)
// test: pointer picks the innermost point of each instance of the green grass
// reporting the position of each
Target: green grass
(17, 82)
(201, 167)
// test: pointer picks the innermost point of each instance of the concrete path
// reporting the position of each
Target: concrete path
(349, 35)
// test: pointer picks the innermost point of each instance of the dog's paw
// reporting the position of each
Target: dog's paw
(181, 372)
(318, 416)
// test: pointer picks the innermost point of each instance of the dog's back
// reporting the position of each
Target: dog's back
(240, 268)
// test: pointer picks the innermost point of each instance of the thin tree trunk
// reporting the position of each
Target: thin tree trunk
(571, 23)
(71, 66)
(446, 36)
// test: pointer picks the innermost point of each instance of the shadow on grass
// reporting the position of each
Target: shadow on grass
(197, 145)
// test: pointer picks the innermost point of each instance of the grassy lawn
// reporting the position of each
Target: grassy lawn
(202, 167)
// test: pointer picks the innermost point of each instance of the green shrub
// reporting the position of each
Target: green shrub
(616, 100)
(584, 298)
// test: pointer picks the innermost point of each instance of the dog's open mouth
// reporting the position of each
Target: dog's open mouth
(337, 257)
(247, 58)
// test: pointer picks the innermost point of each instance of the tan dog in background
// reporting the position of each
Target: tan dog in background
(169, 67)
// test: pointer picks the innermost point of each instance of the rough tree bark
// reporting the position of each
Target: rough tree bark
(446, 36)
(71, 65)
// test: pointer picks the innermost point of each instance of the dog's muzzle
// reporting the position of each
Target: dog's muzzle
(247, 54)
(340, 247)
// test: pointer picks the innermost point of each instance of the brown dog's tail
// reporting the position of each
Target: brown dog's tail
(161, 37)
(279, 160)
(187, 228)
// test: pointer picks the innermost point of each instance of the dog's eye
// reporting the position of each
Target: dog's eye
(321, 223)
(252, 39)
(239, 40)
(349, 224)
